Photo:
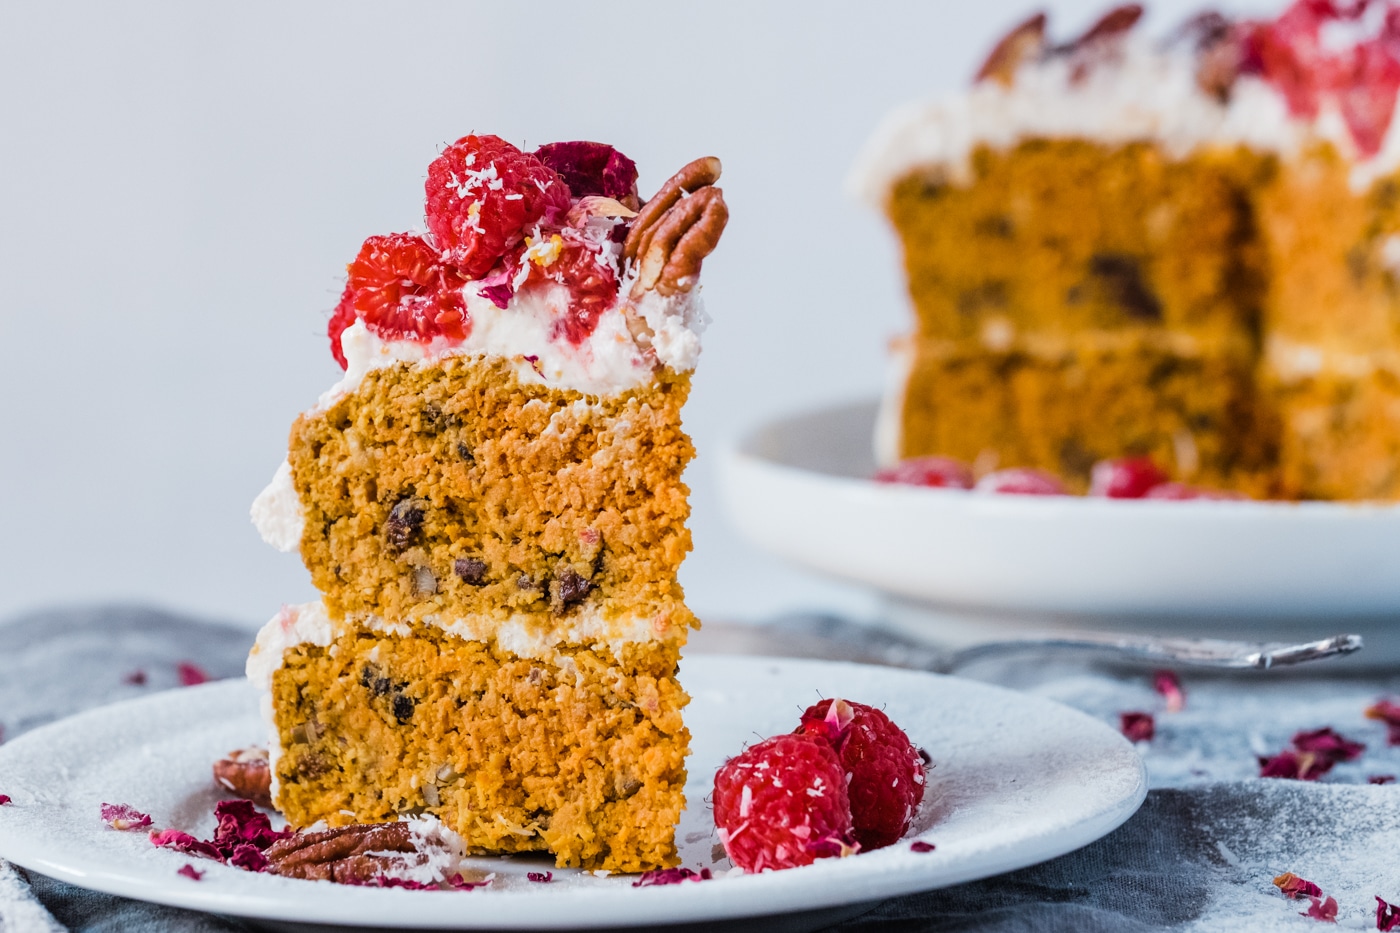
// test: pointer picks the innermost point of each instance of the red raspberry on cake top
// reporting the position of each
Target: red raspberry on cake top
(579, 265)
(400, 287)
(783, 803)
(484, 196)
(883, 770)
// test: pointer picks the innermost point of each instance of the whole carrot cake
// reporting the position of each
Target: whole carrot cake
(490, 502)
(1184, 248)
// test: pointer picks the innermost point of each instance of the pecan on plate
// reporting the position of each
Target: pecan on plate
(354, 854)
(245, 772)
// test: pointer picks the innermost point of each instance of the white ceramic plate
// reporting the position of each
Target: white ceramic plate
(800, 487)
(1017, 780)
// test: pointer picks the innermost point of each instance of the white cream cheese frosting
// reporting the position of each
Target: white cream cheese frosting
(1147, 92)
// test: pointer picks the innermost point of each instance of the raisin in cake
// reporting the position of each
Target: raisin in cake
(1183, 247)
(491, 505)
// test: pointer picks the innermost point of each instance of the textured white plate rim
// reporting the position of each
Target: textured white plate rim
(33, 843)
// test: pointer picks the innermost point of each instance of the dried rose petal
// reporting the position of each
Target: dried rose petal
(458, 883)
(542, 877)
(191, 675)
(935, 472)
(248, 857)
(918, 845)
(1387, 916)
(184, 842)
(384, 881)
(1169, 685)
(1137, 727)
(241, 822)
(1294, 887)
(1285, 765)
(120, 816)
(1328, 744)
(4, 799)
(135, 679)
(591, 169)
(660, 876)
(1381, 779)
(1388, 712)
(1325, 911)
(190, 872)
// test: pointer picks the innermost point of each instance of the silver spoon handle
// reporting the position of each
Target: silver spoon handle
(832, 636)
(1176, 652)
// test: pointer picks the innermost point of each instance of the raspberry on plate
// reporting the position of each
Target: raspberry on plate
(1021, 481)
(938, 472)
(484, 195)
(1125, 478)
(782, 804)
(883, 770)
(400, 288)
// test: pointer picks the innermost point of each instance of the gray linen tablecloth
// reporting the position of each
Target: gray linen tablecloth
(1200, 855)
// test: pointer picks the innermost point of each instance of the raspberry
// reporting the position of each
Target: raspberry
(1021, 481)
(483, 195)
(1128, 478)
(883, 770)
(579, 266)
(400, 288)
(939, 472)
(1369, 81)
(341, 318)
(783, 803)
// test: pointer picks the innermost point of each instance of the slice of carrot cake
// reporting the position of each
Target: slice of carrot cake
(491, 505)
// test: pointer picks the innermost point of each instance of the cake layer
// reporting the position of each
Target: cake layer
(1063, 236)
(581, 755)
(1341, 436)
(1197, 416)
(452, 488)
(1333, 256)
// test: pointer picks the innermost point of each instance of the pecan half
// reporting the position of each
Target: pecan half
(348, 855)
(1219, 49)
(1111, 25)
(245, 772)
(1024, 42)
(685, 235)
(695, 175)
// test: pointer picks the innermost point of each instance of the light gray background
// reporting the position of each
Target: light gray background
(182, 184)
